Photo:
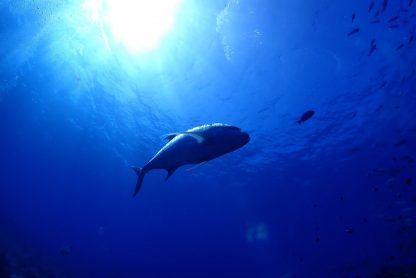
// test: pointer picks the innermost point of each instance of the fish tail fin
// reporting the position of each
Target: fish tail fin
(140, 175)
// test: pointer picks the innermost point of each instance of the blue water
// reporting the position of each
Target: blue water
(332, 197)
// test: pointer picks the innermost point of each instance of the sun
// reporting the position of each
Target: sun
(138, 24)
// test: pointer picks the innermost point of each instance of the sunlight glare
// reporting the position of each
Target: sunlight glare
(138, 24)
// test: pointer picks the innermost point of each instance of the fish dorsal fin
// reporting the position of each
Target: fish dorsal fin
(170, 136)
(199, 138)
(170, 173)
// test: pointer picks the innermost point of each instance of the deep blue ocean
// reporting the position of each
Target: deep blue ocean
(88, 90)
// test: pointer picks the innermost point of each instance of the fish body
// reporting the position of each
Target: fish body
(353, 31)
(306, 116)
(393, 19)
(194, 146)
(373, 47)
(384, 6)
(371, 6)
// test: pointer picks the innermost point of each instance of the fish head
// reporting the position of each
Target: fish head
(234, 137)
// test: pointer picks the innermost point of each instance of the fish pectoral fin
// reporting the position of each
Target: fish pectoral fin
(199, 138)
(170, 173)
(170, 136)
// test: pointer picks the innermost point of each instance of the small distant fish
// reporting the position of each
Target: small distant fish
(377, 13)
(376, 21)
(394, 18)
(353, 31)
(65, 250)
(372, 48)
(353, 16)
(383, 84)
(348, 231)
(408, 181)
(410, 3)
(384, 6)
(387, 172)
(401, 142)
(306, 116)
(371, 6)
(393, 26)
(354, 149)
(410, 39)
(400, 46)
(391, 218)
(407, 158)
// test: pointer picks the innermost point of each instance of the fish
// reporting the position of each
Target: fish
(353, 31)
(371, 6)
(410, 39)
(400, 46)
(400, 142)
(194, 146)
(384, 6)
(410, 3)
(394, 18)
(372, 48)
(354, 149)
(387, 171)
(407, 158)
(306, 116)
(353, 16)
